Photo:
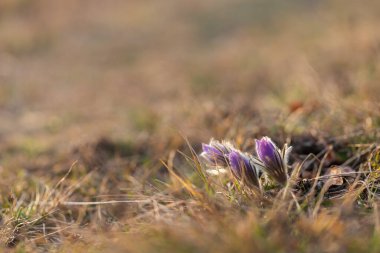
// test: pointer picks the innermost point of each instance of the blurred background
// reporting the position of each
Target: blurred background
(75, 71)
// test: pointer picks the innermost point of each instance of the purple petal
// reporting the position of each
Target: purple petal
(211, 151)
(266, 149)
(235, 162)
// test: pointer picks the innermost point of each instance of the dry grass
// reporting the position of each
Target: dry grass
(104, 106)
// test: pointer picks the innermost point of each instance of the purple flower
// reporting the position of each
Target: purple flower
(275, 161)
(216, 153)
(243, 168)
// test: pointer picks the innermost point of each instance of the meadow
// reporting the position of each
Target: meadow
(105, 105)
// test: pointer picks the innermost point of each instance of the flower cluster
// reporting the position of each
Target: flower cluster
(248, 168)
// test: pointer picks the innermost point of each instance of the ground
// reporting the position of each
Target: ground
(104, 106)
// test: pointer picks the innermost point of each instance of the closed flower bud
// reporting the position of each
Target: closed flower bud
(275, 161)
(243, 169)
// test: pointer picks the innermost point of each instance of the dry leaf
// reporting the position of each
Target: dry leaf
(334, 175)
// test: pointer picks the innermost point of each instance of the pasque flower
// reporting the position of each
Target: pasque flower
(244, 169)
(275, 161)
(216, 153)
(225, 155)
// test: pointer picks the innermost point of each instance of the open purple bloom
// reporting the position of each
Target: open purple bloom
(243, 169)
(216, 153)
(275, 161)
